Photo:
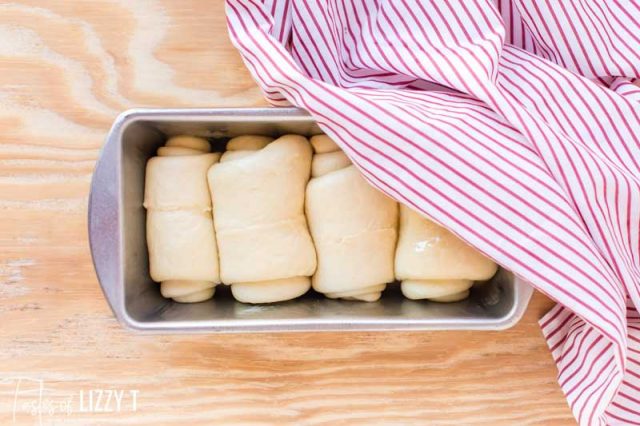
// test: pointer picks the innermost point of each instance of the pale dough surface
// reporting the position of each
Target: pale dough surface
(234, 155)
(243, 146)
(181, 241)
(435, 264)
(181, 246)
(323, 144)
(437, 290)
(248, 142)
(185, 291)
(173, 183)
(270, 290)
(174, 151)
(328, 162)
(191, 142)
(353, 225)
(259, 220)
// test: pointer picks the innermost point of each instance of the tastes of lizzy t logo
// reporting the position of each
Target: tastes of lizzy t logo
(31, 401)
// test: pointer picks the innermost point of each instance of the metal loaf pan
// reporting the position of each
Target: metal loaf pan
(118, 246)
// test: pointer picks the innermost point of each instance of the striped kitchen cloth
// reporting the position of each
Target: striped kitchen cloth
(514, 123)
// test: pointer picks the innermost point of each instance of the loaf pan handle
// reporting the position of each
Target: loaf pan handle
(105, 220)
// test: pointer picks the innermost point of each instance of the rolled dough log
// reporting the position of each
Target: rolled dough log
(434, 264)
(353, 225)
(266, 252)
(181, 241)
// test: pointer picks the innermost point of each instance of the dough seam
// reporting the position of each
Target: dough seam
(274, 224)
(176, 208)
(339, 240)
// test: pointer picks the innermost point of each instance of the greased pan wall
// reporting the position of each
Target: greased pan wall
(119, 251)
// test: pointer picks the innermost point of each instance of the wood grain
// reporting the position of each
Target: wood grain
(67, 68)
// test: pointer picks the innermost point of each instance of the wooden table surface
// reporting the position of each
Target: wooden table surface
(67, 68)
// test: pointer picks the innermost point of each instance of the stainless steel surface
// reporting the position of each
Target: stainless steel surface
(118, 246)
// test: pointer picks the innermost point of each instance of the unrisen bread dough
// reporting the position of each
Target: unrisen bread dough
(323, 144)
(180, 235)
(269, 291)
(353, 225)
(191, 142)
(266, 252)
(248, 143)
(434, 264)
(243, 146)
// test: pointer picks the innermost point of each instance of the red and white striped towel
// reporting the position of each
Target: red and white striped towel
(514, 123)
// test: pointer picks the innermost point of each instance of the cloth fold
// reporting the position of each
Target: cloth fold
(514, 124)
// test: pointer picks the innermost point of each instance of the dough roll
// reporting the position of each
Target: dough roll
(181, 240)
(353, 225)
(434, 264)
(258, 188)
